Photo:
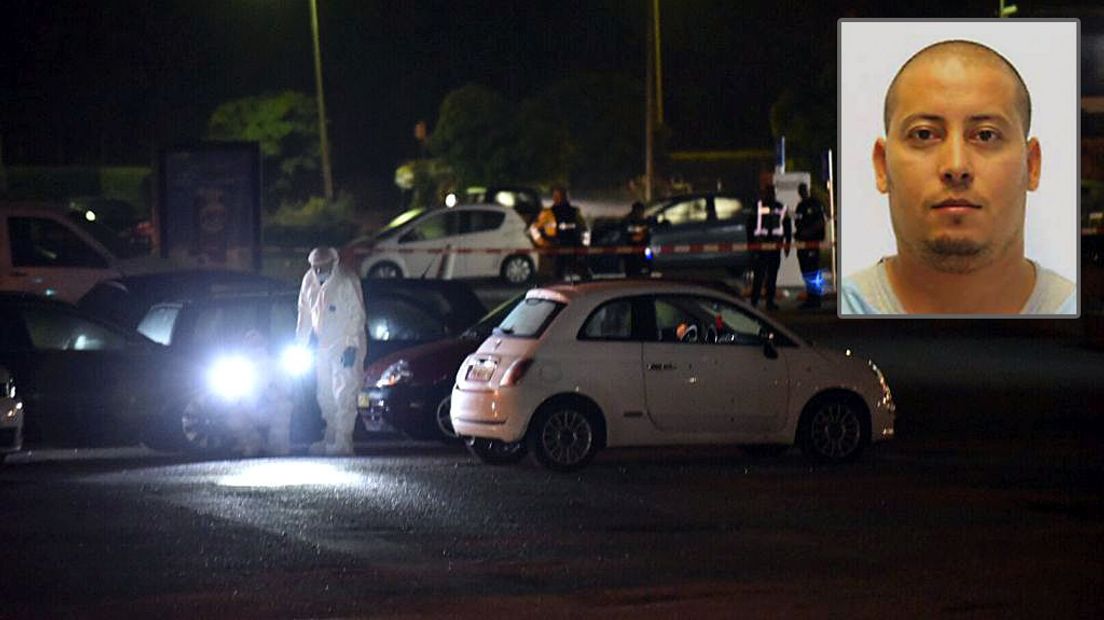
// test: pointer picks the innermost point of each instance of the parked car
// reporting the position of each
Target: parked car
(680, 364)
(209, 329)
(124, 301)
(689, 220)
(11, 416)
(54, 251)
(411, 389)
(425, 246)
(526, 201)
(122, 218)
(82, 381)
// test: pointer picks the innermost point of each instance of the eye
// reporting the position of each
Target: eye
(987, 135)
(922, 134)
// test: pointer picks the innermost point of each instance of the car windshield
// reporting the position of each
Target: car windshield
(395, 225)
(529, 318)
(483, 328)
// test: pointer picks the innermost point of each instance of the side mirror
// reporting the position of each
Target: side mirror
(769, 351)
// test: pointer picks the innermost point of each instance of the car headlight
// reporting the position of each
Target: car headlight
(396, 373)
(296, 360)
(232, 377)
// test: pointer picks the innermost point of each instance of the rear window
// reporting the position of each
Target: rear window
(529, 319)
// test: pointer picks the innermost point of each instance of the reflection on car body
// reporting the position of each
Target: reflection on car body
(82, 381)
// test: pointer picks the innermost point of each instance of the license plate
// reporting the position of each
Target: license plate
(364, 400)
(481, 371)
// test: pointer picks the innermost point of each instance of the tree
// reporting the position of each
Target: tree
(806, 115)
(286, 126)
(473, 134)
(602, 117)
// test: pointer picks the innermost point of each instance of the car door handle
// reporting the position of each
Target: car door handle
(662, 367)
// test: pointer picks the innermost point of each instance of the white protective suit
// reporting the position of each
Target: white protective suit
(334, 312)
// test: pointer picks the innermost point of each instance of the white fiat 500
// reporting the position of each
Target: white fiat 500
(574, 369)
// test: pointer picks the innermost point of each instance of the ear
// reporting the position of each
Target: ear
(881, 179)
(1034, 163)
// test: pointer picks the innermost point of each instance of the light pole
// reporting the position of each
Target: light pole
(327, 173)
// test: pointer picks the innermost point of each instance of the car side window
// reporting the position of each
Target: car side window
(158, 323)
(480, 221)
(704, 320)
(398, 319)
(222, 324)
(675, 322)
(611, 321)
(433, 228)
(52, 330)
(727, 208)
(42, 242)
(685, 212)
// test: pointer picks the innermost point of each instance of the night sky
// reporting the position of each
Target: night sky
(111, 81)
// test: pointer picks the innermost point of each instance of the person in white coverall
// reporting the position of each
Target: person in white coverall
(331, 308)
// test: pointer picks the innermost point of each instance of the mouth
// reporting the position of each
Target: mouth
(956, 204)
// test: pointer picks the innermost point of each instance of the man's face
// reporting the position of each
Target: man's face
(323, 270)
(955, 163)
(557, 197)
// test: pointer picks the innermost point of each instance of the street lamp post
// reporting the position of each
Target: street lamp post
(327, 173)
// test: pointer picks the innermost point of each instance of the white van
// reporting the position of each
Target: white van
(45, 250)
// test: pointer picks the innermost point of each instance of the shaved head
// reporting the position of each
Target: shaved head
(969, 53)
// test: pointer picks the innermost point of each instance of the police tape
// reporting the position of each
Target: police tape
(686, 248)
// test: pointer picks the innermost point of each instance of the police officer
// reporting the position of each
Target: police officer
(637, 234)
(809, 226)
(769, 224)
(560, 226)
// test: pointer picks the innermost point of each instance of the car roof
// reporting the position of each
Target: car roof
(568, 292)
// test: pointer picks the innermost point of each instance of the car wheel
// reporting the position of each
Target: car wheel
(495, 452)
(564, 438)
(198, 434)
(517, 270)
(834, 429)
(764, 451)
(444, 420)
(385, 271)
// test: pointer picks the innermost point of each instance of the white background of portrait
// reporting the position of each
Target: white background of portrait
(1044, 53)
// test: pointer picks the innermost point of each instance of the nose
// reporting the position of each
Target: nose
(955, 167)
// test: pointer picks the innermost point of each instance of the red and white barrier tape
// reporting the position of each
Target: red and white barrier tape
(688, 248)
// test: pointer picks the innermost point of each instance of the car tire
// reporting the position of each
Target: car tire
(443, 421)
(764, 451)
(834, 429)
(385, 270)
(495, 452)
(195, 433)
(517, 269)
(564, 437)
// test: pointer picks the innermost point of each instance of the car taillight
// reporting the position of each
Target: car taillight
(515, 373)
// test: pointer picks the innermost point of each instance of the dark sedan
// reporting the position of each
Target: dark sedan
(409, 389)
(694, 224)
(82, 381)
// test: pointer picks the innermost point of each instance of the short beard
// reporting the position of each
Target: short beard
(951, 255)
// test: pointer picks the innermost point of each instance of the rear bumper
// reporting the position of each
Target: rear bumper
(399, 406)
(501, 414)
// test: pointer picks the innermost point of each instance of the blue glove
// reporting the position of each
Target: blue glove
(348, 357)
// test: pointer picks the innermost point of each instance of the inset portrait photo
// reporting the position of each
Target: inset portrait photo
(959, 168)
